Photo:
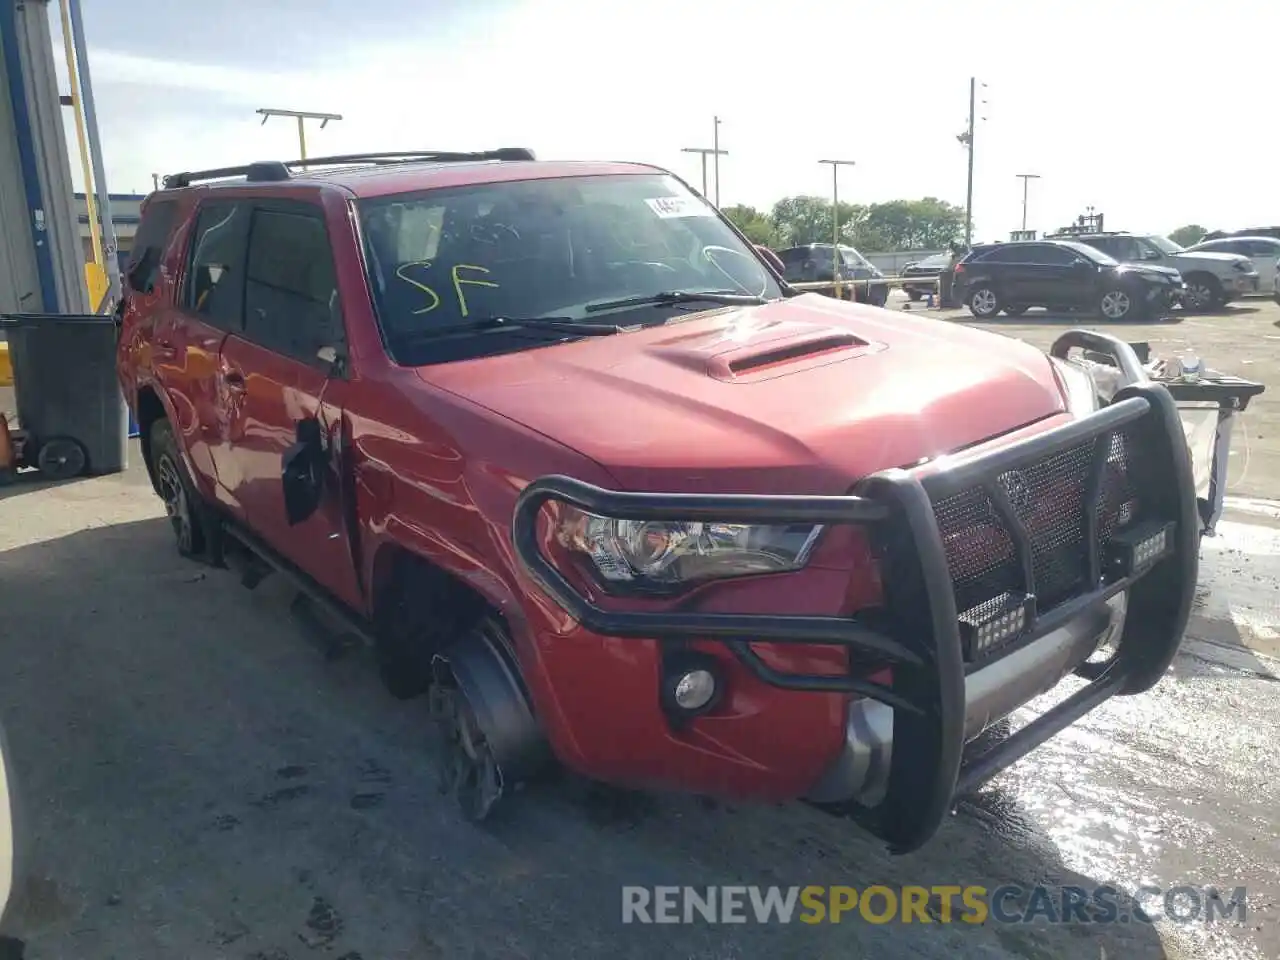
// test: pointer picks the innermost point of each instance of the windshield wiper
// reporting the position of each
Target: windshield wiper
(554, 326)
(725, 297)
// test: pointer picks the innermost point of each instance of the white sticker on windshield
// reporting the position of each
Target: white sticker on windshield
(668, 207)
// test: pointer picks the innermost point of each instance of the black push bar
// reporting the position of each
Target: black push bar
(918, 633)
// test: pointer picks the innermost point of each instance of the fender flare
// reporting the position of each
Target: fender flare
(482, 665)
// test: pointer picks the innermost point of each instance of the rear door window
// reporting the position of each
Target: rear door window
(291, 285)
(214, 289)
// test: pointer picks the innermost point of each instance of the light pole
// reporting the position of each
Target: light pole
(835, 216)
(301, 115)
(966, 139)
(1026, 178)
(716, 144)
(706, 152)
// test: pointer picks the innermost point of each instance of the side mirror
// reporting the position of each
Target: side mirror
(302, 472)
(1151, 255)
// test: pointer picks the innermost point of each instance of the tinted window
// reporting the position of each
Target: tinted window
(149, 244)
(215, 279)
(1012, 253)
(1056, 256)
(527, 249)
(291, 287)
(1257, 248)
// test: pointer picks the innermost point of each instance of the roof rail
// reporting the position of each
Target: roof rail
(266, 171)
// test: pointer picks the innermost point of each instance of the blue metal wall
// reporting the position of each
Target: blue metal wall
(17, 87)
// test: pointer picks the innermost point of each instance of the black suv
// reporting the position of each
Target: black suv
(1061, 275)
(812, 263)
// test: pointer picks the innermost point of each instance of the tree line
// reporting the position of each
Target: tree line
(926, 224)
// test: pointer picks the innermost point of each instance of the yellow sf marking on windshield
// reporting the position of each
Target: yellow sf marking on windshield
(435, 297)
(459, 281)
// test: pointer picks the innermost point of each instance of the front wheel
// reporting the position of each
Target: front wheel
(1117, 304)
(984, 302)
(1204, 292)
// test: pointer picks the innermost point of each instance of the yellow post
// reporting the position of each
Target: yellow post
(95, 229)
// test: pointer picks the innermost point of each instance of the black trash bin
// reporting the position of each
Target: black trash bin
(946, 282)
(70, 411)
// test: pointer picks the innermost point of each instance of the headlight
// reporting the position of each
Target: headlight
(665, 554)
(1079, 386)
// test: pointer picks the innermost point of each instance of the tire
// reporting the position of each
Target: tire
(983, 301)
(61, 458)
(183, 507)
(1015, 310)
(1204, 292)
(1118, 305)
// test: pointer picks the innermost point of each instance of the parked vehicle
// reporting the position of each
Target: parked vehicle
(1263, 252)
(813, 263)
(1275, 282)
(1061, 275)
(930, 267)
(555, 442)
(1273, 232)
(1213, 279)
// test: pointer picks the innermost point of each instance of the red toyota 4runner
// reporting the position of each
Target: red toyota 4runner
(573, 457)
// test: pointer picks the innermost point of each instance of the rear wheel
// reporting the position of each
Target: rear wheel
(181, 503)
(984, 302)
(61, 458)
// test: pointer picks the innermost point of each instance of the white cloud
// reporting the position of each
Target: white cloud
(1156, 113)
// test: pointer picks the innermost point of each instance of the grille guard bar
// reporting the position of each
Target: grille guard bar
(922, 640)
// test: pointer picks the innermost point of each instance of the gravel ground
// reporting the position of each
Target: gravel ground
(199, 781)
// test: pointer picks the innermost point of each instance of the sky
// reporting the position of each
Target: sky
(1156, 113)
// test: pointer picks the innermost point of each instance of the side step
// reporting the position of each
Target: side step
(319, 606)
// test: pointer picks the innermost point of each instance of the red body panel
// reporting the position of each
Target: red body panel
(805, 395)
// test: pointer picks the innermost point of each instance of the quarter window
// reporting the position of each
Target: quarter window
(215, 281)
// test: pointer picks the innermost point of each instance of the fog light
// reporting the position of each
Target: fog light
(984, 630)
(694, 690)
(1133, 551)
(692, 685)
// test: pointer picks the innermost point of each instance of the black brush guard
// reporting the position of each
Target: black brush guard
(920, 637)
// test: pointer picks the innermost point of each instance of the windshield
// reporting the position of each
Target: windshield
(1165, 245)
(529, 249)
(1091, 253)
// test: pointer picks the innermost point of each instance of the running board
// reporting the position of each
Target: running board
(315, 594)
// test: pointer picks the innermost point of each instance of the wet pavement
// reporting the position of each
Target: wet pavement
(200, 782)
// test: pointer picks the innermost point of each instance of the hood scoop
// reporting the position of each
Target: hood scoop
(749, 363)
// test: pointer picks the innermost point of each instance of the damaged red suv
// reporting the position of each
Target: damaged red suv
(570, 454)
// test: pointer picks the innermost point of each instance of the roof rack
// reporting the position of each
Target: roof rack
(270, 171)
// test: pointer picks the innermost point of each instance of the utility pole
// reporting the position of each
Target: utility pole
(301, 115)
(835, 216)
(706, 152)
(1026, 178)
(968, 142)
(718, 152)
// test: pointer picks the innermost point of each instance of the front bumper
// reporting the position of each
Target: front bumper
(944, 688)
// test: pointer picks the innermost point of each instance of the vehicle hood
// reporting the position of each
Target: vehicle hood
(806, 395)
(1152, 268)
(1208, 258)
